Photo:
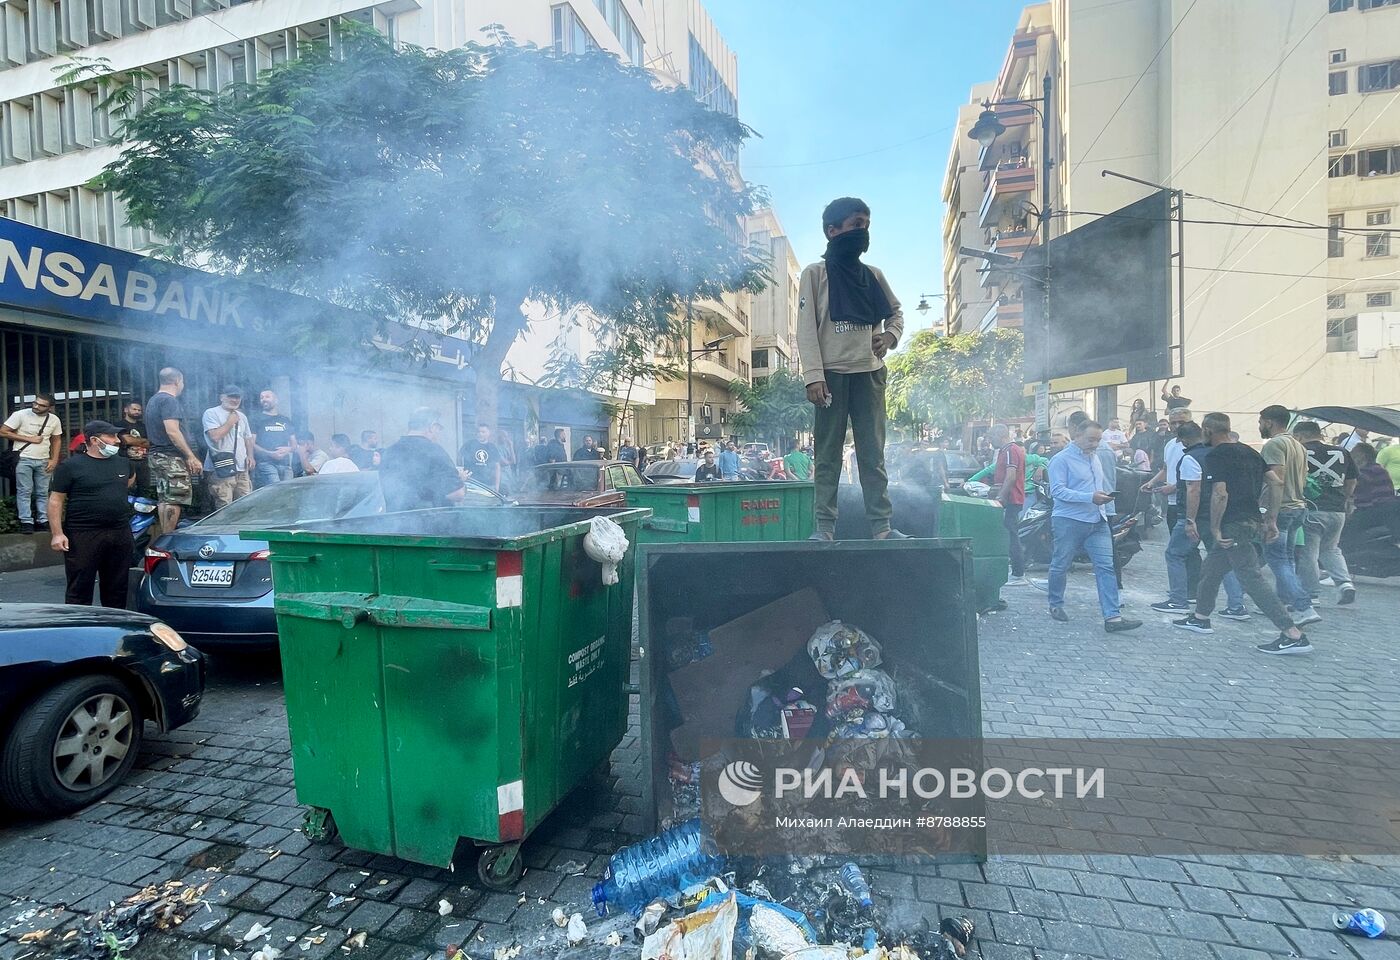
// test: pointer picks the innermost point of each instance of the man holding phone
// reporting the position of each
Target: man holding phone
(1083, 493)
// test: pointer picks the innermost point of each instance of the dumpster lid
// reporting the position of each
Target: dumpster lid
(492, 528)
(720, 486)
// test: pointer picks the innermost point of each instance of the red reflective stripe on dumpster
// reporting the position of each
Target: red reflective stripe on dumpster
(510, 583)
(510, 804)
(692, 509)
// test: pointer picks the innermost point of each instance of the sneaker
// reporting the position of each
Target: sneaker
(26, 528)
(1306, 617)
(823, 536)
(1058, 613)
(1234, 613)
(1194, 623)
(1120, 625)
(1018, 582)
(1170, 606)
(1348, 595)
(1282, 645)
(1327, 582)
(891, 534)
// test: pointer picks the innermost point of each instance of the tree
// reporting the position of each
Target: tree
(948, 381)
(774, 408)
(445, 188)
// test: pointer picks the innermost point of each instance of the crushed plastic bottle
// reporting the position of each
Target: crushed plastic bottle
(657, 867)
(854, 883)
(1363, 923)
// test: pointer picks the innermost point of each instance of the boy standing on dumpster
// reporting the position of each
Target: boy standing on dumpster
(847, 320)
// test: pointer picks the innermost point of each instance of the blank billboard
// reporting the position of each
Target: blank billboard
(1110, 297)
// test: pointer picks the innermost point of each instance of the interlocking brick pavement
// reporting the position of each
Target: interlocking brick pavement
(214, 803)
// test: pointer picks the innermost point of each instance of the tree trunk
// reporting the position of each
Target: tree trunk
(487, 361)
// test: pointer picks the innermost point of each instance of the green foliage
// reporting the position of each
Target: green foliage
(9, 517)
(947, 381)
(775, 408)
(443, 188)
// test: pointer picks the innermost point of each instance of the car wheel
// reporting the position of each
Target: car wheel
(71, 746)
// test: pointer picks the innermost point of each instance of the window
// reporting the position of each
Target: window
(1377, 244)
(760, 359)
(1337, 83)
(1341, 335)
(1337, 56)
(1336, 301)
(624, 28)
(1373, 4)
(1336, 243)
(1378, 76)
(570, 36)
(1337, 138)
(1377, 218)
(1378, 163)
(1378, 299)
(1338, 6)
(1343, 166)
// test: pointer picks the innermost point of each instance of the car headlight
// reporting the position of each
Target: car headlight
(167, 636)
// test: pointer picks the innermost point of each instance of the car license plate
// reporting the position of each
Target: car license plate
(211, 575)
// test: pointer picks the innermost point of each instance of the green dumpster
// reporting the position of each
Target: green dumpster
(725, 512)
(450, 674)
(980, 521)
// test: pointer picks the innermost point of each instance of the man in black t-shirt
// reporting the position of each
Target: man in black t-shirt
(1233, 477)
(273, 442)
(1334, 475)
(482, 459)
(556, 452)
(131, 434)
(416, 473)
(589, 450)
(90, 518)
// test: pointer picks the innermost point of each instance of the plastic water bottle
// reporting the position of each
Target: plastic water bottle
(1365, 923)
(658, 867)
(856, 885)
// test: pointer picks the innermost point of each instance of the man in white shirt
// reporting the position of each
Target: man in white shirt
(340, 461)
(36, 435)
(229, 462)
(1114, 436)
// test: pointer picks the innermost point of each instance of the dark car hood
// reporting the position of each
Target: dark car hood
(26, 616)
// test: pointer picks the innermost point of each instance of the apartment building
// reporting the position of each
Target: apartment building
(970, 302)
(1285, 107)
(774, 314)
(54, 139)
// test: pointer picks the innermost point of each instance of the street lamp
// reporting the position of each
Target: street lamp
(923, 306)
(985, 131)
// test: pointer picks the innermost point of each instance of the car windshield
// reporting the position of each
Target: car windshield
(962, 461)
(565, 476)
(296, 502)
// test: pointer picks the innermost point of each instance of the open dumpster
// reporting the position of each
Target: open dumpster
(730, 511)
(809, 647)
(981, 522)
(450, 674)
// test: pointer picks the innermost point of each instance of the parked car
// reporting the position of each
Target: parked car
(216, 587)
(959, 467)
(77, 685)
(579, 483)
(671, 471)
(757, 450)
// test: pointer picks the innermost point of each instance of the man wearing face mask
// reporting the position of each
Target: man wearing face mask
(90, 518)
(847, 320)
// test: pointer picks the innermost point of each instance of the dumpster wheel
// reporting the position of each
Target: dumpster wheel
(500, 867)
(319, 826)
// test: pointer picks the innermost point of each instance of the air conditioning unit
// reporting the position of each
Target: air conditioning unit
(707, 411)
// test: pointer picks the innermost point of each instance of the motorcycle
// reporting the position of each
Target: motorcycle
(1037, 539)
(1371, 541)
(143, 519)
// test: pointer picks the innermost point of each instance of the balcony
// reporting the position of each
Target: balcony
(1011, 242)
(1009, 314)
(720, 369)
(1013, 180)
(725, 315)
(1011, 145)
(1023, 47)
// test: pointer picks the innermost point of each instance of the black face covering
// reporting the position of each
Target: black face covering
(853, 293)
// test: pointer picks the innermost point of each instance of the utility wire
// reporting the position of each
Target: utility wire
(1136, 83)
(1295, 225)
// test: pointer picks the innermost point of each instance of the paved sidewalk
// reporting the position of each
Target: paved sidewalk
(214, 803)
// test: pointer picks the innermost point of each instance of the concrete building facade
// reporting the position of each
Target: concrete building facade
(1285, 107)
(775, 309)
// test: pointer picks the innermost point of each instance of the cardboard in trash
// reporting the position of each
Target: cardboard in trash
(761, 641)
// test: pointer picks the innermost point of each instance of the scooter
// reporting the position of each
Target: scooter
(1037, 539)
(1371, 541)
(143, 518)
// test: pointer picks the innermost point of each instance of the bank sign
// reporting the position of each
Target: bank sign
(52, 273)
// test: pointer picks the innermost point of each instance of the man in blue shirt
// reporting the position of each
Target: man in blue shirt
(729, 461)
(1080, 487)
